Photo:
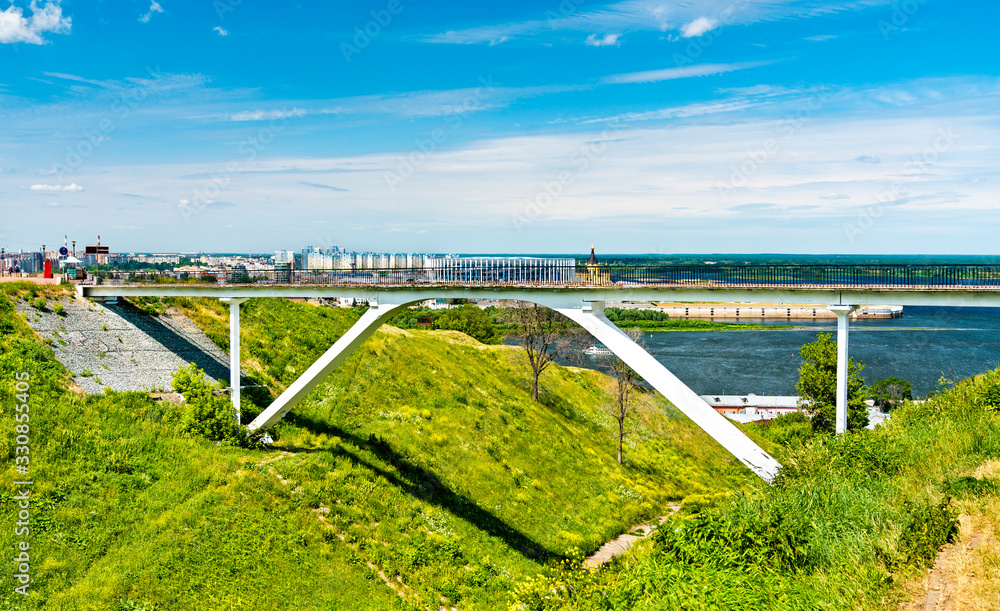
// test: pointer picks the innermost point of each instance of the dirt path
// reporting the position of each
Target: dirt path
(618, 546)
(943, 589)
(966, 574)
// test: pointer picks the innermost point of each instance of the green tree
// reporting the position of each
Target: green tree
(471, 320)
(891, 392)
(817, 385)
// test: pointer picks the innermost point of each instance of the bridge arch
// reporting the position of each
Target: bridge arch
(590, 316)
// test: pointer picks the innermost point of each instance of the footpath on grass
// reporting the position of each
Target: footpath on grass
(624, 542)
(966, 574)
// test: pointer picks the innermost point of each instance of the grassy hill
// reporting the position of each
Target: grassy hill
(852, 522)
(419, 474)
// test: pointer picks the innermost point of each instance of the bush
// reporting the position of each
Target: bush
(39, 304)
(471, 320)
(930, 526)
(789, 429)
(59, 309)
(970, 486)
(208, 415)
(991, 395)
(739, 538)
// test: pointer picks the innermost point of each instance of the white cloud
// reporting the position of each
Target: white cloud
(835, 196)
(154, 7)
(689, 18)
(820, 38)
(868, 159)
(261, 115)
(651, 76)
(72, 187)
(607, 41)
(221, 31)
(698, 27)
(15, 27)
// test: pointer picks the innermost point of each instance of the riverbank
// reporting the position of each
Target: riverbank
(650, 319)
(701, 325)
(768, 311)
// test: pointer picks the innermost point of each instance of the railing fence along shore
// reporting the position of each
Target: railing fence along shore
(797, 276)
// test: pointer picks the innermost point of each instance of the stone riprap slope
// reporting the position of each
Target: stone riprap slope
(123, 348)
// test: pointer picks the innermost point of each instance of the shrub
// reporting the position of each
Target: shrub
(59, 309)
(991, 395)
(39, 304)
(788, 429)
(738, 538)
(471, 320)
(971, 486)
(207, 415)
(930, 526)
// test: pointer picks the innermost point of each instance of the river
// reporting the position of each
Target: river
(923, 345)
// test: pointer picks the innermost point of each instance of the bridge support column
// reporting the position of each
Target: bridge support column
(685, 399)
(843, 313)
(234, 351)
(310, 379)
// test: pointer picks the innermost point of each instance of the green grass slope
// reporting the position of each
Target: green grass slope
(419, 474)
(849, 523)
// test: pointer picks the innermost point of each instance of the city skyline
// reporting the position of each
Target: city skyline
(662, 127)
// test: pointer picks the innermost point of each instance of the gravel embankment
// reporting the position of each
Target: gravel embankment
(122, 348)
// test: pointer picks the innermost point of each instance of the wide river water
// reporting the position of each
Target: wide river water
(923, 345)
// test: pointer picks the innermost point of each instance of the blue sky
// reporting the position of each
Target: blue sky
(642, 126)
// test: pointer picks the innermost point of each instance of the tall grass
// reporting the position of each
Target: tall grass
(848, 520)
(419, 474)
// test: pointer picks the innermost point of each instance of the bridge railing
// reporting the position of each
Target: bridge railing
(986, 277)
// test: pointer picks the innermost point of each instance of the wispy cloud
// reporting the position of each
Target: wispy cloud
(319, 186)
(652, 76)
(15, 27)
(70, 187)
(685, 17)
(154, 7)
(415, 104)
(220, 30)
(268, 115)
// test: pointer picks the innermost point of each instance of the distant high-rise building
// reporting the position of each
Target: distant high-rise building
(285, 256)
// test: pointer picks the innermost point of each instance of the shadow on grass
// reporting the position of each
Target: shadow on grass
(425, 485)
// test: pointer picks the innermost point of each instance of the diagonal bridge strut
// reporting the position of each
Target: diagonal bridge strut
(590, 316)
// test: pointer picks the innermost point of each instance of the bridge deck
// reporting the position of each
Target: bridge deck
(813, 284)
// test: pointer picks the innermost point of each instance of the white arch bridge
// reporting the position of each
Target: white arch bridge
(580, 296)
